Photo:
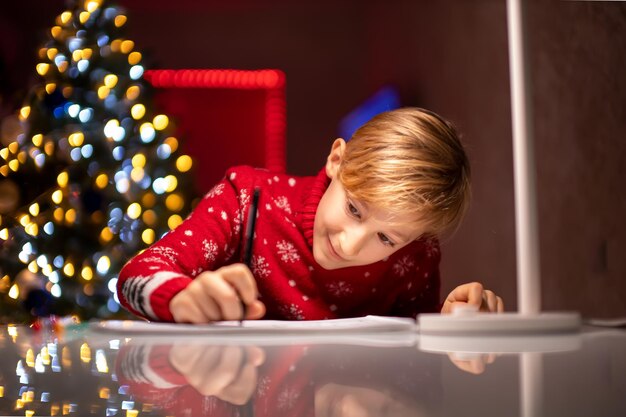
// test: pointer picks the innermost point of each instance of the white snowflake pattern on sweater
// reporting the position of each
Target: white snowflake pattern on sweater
(431, 248)
(263, 385)
(283, 203)
(339, 288)
(260, 267)
(154, 260)
(209, 250)
(287, 251)
(215, 191)
(403, 265)
(287, 398)
(244, 198)
(292, 311)
(163, 252)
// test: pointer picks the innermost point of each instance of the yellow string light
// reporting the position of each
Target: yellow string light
(134, 58)
(102, 180)
(119, 20)
(32, 229)
(184, 163)
(174, 202)
(87, 273)
(42, 68)
(110, 80)
(24, 219)
(34, 209)
(56, 31)
(134, 211)
(149, 217)
(62, 179)
(148, 236)
(30, 358)
(139, 160)
(68, 269)
(70, 216)
(52, 53)
(37, 139)
(148, 200)
(132, 92)
(84, 16)
(127, 46)
(14, 292)
(57, 196)
(48, 148)
(160, 122)
(106, 235)
(65, 17)
(50, 87)
(103, 92)
(33, 267)
(104, 393)
(76, 139)
(24, 113)
(58, 214)
(21, 157)
(173, 221)
(138, 111)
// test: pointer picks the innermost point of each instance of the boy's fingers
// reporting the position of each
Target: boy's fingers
(255, 311)
(469, 293)
(225, 296)
(185, 309)
(490, 302)
(500, 308)
(208, 306)
(240, 277)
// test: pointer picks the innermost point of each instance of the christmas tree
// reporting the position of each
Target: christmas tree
(93, 177)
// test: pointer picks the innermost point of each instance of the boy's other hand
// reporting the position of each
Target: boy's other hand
(475, 295)
(218, 295)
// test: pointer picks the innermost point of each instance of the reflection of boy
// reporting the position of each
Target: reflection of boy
(295, 380)
(359, 238)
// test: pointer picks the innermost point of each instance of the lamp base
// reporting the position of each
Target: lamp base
(474, 323)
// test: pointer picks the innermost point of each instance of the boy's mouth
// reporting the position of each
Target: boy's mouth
(333, 252)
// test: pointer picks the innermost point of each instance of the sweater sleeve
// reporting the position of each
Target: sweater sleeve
(422, 286)
(206, 240)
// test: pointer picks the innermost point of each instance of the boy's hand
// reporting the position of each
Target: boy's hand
(217, 295)
(473, 294)
(227, 372)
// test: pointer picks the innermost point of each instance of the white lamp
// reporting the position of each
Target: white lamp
(529, 319)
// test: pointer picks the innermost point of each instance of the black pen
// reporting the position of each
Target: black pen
(247, 254)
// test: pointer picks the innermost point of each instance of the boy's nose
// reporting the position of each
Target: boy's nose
(352, 240)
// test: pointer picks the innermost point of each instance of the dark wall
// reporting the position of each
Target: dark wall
(449, 56)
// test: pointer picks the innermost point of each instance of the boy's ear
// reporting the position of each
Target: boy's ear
(334, 157)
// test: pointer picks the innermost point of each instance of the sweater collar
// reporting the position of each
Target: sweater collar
(311, 201)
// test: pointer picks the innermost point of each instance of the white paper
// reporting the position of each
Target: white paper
(365, 324)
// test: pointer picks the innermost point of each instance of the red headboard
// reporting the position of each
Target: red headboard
(225, 118)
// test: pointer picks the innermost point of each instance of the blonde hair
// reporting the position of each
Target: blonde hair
(409, 160)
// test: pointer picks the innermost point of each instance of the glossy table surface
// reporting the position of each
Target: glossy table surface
(84, 371)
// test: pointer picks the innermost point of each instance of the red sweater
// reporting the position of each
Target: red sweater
(291, 284)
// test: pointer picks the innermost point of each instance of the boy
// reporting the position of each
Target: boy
(359, 238)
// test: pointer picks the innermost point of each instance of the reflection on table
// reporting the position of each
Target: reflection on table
(80, 371)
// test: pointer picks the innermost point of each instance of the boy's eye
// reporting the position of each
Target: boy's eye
(385, 240)
(353, 210)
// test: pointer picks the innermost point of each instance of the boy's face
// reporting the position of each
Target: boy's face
(348, 232)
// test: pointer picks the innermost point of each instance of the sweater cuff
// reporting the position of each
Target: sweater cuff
(161, 297)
